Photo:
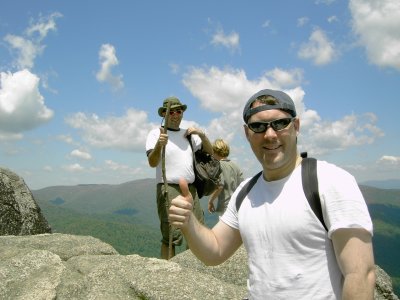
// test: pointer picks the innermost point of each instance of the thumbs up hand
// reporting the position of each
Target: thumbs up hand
(181, 207)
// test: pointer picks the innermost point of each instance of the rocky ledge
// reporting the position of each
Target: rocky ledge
(62, 266)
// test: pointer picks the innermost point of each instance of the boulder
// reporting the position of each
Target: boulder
(19, 213)
(62, 266)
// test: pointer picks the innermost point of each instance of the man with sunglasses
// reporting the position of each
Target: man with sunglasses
(290, 254)
(178, 164)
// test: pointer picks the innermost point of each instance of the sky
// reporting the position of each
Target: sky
(81, 81)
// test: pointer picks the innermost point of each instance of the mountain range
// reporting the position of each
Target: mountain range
(383, 184)
(125, 216)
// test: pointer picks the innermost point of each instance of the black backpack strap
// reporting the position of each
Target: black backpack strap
(189, 138)
(246, 189)
(310, 186)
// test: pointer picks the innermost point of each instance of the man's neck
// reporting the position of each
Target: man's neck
(173, 129)
(271, 175)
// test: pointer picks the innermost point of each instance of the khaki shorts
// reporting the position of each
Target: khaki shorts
(174, 191)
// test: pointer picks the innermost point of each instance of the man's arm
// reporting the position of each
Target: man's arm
(211, 246)
(213, 196)
(155, 154)
(205, 142)
(354, 254)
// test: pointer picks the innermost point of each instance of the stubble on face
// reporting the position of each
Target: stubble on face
(276, 151)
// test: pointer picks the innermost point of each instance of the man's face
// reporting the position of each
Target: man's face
(175, 118)
(274, 149)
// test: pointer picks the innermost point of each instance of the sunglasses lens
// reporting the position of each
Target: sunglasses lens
(257, 127)
(280, 124)
(178, 112)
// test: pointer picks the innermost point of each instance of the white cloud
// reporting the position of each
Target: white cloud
(73, 168)
(48, 168)
(285, 78)
(266, 24)
(66, 139)
(44, 26)
(319, 48)
(376, 24)
(225, 91)
(125, 169)
(332, 19)
(7, 136)
(27, 50)
(302, 21)
(80, 154)
(29, 46)
(128, 132)
(230, 41)
(390, 160)
(22, 106)
(350, 131)
(108, 60)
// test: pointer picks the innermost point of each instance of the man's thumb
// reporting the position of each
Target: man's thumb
(183, 185)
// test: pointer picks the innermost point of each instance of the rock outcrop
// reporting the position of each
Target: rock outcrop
(19, 213)
(61, 266)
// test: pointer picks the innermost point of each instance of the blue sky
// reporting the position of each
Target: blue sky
(81, 81)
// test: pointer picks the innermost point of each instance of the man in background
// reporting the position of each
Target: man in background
(178, 164)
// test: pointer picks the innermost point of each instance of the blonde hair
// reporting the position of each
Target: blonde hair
(221, 148)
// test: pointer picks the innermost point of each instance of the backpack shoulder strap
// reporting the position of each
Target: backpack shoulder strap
(246, 189)
(310, 186)
(189, 138)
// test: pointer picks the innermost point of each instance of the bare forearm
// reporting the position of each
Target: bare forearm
(202, 242)
(211, 246)
(354, 254)
(215, 194)
(155, 156)
(359, 287)
(206, 144)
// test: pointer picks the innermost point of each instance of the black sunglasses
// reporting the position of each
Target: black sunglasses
(276, 125)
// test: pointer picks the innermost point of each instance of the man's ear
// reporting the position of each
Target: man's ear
(246, 131)
(296, 123)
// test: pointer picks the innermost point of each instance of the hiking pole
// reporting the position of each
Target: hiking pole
(164, 174)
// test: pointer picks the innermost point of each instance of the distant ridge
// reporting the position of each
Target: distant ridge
(383, 184)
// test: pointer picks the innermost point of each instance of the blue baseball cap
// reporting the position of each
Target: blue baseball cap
(283, 102)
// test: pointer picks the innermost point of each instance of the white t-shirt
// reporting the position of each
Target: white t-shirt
(178, 155)
(290, 253)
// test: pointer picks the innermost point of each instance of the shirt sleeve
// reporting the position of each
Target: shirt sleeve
(342, 202)
(196, 142)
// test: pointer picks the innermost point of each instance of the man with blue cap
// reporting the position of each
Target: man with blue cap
(290, 253)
